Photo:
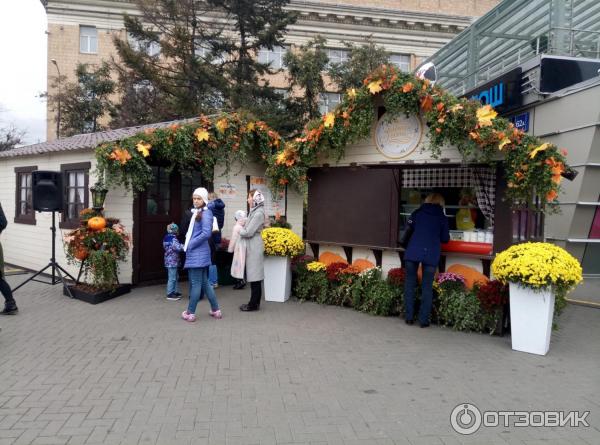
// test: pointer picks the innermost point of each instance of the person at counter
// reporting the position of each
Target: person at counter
(430, 230)
(466, 217)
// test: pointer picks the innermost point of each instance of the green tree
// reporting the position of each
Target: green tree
(257, 24)
(170, 53)
(207, 60)
(362, 60)
(305, 72)
(80, 105)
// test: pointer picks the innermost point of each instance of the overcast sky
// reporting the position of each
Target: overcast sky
(23, 67)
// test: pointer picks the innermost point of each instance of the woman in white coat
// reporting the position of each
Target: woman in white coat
(254, 249)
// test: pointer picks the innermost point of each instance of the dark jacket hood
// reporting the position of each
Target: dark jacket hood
(432, 209)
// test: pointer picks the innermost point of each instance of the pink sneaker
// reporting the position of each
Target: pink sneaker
(187, 316)
(217, 314)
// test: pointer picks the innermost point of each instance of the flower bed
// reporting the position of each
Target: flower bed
(480, 309)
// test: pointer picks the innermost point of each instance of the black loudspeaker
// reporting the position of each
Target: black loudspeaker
(47, 191)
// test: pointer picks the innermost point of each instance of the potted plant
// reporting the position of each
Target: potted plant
(280, 245)
(97, 247)
(539, 276)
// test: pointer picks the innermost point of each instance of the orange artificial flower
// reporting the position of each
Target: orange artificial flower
(427, 103)
(222, 124)
(121, 155)
(440, 106)
(407, 87)
(551, 195)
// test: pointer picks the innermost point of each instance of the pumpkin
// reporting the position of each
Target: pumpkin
(471, 275)
(81, 253)
(328, 258)
(96, 223)
(362, 264)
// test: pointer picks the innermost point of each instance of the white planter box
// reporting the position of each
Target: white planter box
(531, 318)
(278, 278)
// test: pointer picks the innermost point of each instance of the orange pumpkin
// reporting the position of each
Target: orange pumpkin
(363, 264)
(329, 257)
(471, 275)
(81, 253)
(96, 223)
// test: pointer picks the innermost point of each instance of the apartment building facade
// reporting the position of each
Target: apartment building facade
(82, 31)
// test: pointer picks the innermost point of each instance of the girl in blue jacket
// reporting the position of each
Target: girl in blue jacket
(430, 230)
(197, 255)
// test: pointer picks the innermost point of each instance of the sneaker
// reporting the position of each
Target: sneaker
(173, 297)
(188, 317)
(179, 294)
(217, 314)
(10, 310)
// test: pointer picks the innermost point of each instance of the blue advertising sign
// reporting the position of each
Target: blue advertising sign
(502, 93)
(521, 121)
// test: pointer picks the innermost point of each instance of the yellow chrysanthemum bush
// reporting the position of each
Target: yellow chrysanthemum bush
(316, 266)
(282, 242)
(539, 265)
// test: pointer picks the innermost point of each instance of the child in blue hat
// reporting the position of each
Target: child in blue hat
(172, 248)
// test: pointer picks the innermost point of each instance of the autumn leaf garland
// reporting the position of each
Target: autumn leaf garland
(531, 166)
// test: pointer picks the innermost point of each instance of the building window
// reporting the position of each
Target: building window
(24, 213)
(337, 56)
(88, 40)
(272, 57)
(328, 102)
(76, 192)
(204, 51)
(402, 61)
(150, 48)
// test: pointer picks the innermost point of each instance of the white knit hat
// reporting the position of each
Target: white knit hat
(202, 193)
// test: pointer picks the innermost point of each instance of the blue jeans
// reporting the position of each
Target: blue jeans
(172, 284)
(199, 287)
(213, 276)
(426, 291)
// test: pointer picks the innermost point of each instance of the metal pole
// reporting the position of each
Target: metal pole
(53, 259)
(59, 98)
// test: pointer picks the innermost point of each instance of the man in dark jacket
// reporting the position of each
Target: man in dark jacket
(430, 230)
(10, 306)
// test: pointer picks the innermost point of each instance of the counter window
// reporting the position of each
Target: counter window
(468, 193)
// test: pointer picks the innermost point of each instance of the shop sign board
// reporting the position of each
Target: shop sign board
(502, 93)
(399, 137)
(521, 121)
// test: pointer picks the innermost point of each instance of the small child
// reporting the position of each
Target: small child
(237, 245)
(217, 206)
(172, 248)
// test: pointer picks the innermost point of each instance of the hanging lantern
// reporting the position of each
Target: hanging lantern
(98, 196)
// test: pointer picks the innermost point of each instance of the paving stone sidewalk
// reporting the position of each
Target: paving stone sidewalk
(130, 371)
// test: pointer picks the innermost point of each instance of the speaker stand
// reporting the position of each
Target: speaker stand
(56, 275)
